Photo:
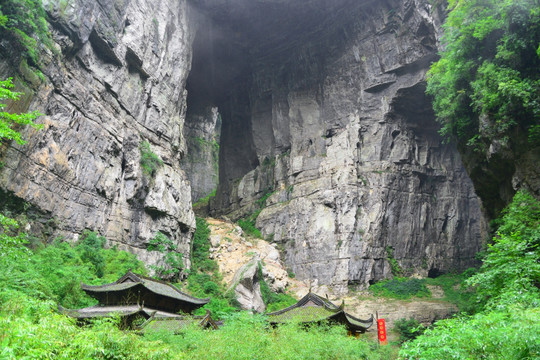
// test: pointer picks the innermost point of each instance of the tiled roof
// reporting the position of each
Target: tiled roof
(131, 279)
(313, 308)
(123, 310)
(301, 314)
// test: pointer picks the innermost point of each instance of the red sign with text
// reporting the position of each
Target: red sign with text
(381, 327)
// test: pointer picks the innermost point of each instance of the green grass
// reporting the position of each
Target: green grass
(455, 291)
(204, 279)
(246, 336)
(400, 288)
(30, 328)
(248, 225)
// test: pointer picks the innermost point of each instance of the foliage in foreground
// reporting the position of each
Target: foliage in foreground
(246, 336)
(509, 334)
(55, 272)
(32, 329)
(510, 273)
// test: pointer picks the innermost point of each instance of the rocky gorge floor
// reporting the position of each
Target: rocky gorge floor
(234, 251)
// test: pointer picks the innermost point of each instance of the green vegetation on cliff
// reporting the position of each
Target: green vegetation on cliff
(204, 279)
(23, 24)
(486, 86)
(8, 121)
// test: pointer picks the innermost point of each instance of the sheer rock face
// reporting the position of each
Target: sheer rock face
(333, 121)
(322, 104)
(119, 80)
(202, 130)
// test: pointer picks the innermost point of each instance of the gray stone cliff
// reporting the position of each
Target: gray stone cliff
(328, 114)
(119, 80)
(322, 106)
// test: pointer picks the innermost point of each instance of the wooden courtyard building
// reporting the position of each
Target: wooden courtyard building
(313, 309)
(140, 300)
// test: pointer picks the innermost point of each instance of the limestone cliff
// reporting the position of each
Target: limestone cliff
(326, 111)
(118, 80)
(322, 106)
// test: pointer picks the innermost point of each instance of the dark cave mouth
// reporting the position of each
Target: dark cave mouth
(290, 42)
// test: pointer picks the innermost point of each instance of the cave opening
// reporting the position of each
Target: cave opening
(246, 59)
(218, 112)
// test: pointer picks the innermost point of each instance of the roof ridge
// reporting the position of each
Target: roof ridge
(318, 300)
(143, 277)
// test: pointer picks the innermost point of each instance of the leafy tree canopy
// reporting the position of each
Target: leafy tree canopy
(8, 121)
(487, 82)
(511, 271)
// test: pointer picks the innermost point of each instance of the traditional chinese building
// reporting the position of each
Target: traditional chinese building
(175, 325)
(313, 309)
(138, 300)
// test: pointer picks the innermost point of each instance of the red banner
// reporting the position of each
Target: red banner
(381, 327)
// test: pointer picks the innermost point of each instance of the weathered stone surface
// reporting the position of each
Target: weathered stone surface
(247, 287)
(334, 122)
(322, 104)
(119, 80)
(202, 131)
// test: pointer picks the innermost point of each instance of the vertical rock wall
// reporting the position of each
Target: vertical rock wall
(118, 80)
(346, 142)
(202, 131)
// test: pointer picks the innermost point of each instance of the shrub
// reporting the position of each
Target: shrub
(204, 279)
(248, 225)
(172, 259)
(400, 288)
(488, 67)
(9, 120)
(55, 272)
(512, 334)
(394, 265)
(149, 161)
(89, 248)
(201, 243)
(511, 271)
(31, 329)
(408, 329)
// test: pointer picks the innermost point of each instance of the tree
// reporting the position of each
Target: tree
(9, 121)
(486, 86)
(510, 273)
